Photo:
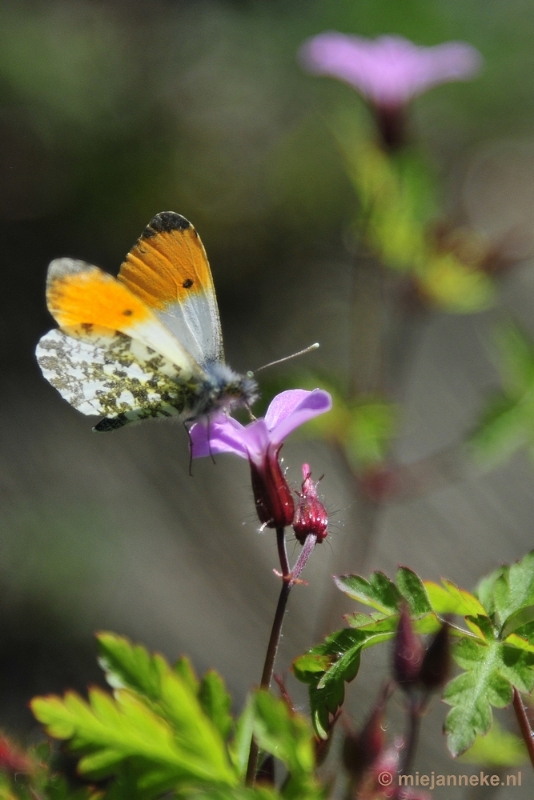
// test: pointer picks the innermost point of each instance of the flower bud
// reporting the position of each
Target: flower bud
(361, 750)
(436, 664)
(272, 496)
(310, 515)
(408, 652)
(11, 759)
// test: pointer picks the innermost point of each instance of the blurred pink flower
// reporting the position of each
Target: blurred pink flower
(390, 70)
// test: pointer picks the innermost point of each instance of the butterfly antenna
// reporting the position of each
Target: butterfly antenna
(288, 358)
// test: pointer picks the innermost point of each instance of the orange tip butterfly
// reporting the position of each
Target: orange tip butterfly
(147, 343)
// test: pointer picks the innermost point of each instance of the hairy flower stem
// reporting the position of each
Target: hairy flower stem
(305, 553)
(289, 579)
(274, 640)
(524, 725)
(282, 553)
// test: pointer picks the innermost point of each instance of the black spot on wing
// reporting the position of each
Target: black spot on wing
(110, 424)
(187, 284)
(165, 222)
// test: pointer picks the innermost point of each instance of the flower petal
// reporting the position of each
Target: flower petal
(389, 70)
(219, 434)
(293, 408)
(283, 405)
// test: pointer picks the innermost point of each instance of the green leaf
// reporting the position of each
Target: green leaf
(240, 746)
(412, 589)
(328, 666)
(513, 590)
(129, 666)
(378, 592)
(492, 670)
(288, 736)
(498, 748)
(234, 793)
(216, 702)
(184, 669)
(484, 590)
(482, 626)
(283, 733)
(161, 729)
(449, 599)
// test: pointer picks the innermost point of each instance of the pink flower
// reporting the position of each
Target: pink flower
(260, 442)
(390, 70)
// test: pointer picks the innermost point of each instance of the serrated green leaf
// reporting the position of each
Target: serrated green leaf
(482, 626)
(492, 670)
(513, 590)
(450, 599)
(378, 592)
(108, 730)
(283, 733)
(484, 590)
(498, 748)
(184, 668)
(129, 666)
(520, 620)
(328, 666)
(288, 736)
(216, 702)
(309, 667)
(344, 670)
(239, 748)
(412, 589)
(518, 641)
(235, 793)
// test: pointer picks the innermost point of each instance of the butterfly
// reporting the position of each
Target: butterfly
(147, 343)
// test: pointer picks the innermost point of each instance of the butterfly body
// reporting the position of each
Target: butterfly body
(147, 343)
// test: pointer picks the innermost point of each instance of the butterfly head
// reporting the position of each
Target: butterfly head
(225, 389)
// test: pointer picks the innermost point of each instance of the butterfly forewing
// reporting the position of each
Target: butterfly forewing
(81, 296)
(168, 270)
(108, 373)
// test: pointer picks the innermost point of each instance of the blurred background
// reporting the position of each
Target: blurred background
(112, 112)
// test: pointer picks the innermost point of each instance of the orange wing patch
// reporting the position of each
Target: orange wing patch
(82, 295)
(167, 264)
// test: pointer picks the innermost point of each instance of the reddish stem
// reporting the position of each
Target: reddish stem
(524, 724)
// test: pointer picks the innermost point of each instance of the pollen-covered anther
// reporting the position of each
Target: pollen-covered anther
(310, 514)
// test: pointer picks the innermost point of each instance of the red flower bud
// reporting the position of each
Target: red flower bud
(408, 652)
(272, 496)
(310, 515)
(11, 759)
(436, 664)
(360, 750)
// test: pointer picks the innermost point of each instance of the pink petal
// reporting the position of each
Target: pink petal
(219, 434)
(389, 70)
(283, 405)
(285, 414)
